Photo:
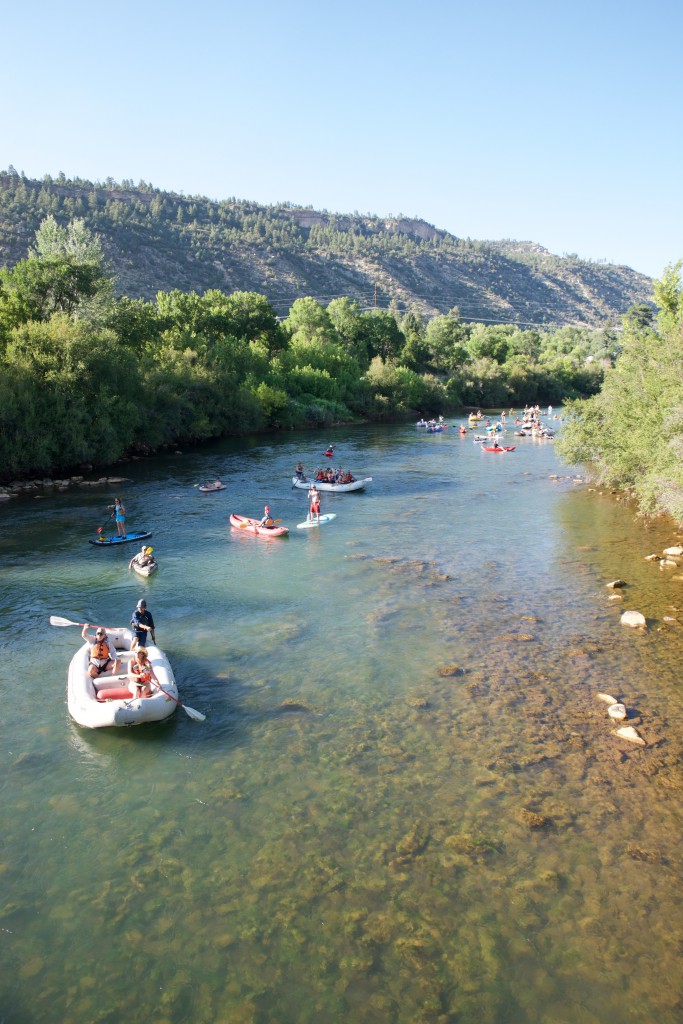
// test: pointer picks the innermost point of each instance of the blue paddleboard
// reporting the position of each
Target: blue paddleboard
(104, 542)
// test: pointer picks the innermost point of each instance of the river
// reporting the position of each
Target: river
(406, 804)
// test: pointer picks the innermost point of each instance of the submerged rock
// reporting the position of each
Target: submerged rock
(615, 584)
(617, 711)
(675, 552)
(627, 732)
(606, 697)
(633, 619)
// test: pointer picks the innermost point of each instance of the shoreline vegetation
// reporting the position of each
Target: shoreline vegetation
(90, 379)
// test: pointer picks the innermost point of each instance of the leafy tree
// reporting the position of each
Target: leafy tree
(631, 433)
(382, 334)
(65, 273)
(309, 321)
(445, 341)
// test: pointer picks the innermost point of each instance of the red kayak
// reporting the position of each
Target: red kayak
(329, 453)
(505, 448)
(254, 526)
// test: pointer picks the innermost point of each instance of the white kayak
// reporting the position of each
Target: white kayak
(107, 701)
(355, 485)
(146, 570)
(328, 517)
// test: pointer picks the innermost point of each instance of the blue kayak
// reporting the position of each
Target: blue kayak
(108, 542)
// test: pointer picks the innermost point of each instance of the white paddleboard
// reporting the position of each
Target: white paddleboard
(323, 519)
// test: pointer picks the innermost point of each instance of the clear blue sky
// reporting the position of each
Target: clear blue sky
(557, 122)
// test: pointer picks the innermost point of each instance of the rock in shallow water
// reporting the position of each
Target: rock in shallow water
(627, 732)
(617, 711)
(633, 619)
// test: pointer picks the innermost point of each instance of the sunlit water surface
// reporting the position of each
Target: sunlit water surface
(406, 802)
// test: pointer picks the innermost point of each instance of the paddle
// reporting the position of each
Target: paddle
(57, 620)
(197, 715)
(245, 526)
(100, 528)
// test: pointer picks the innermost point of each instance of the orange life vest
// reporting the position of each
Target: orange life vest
(100, 650)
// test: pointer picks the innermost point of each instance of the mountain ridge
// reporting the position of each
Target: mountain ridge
(158, 241)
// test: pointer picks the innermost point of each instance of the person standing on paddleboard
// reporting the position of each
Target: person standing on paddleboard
(142, 624)
(120, 516)
(314, 507)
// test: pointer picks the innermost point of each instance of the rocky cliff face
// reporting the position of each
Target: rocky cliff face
(157, 241)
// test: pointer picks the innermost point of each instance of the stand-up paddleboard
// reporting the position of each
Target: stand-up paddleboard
(104, 542)
(311, 522)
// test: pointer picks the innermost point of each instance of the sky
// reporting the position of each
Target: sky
(555, 122)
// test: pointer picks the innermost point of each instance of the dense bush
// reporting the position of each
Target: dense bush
(87, 377)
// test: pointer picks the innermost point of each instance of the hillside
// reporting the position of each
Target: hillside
(158, 241)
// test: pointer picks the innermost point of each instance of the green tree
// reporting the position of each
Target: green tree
(631, 433)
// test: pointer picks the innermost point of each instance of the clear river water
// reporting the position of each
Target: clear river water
(406, 804)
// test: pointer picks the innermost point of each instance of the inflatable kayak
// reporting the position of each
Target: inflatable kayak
(328, 517)
(103, 542)
(505, 448)
(146, 570)
(248, 525)
(210, 488)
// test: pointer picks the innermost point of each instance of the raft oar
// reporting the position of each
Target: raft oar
(197, 715)
(57, 620)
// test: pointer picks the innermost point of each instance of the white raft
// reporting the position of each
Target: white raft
(91, 713)
(355, 485)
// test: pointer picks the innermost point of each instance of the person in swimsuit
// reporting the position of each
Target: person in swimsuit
(120, 517)
(314, 507)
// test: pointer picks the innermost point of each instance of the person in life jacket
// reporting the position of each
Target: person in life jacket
(144, 557)
(141, 674)
(102, 653)
(266, 519)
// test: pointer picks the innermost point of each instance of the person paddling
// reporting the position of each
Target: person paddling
(102, 654)
(120, 517)
(266, 518)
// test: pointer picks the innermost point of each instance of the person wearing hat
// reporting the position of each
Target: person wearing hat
(144, 557)
(142, 624)
(102, 653)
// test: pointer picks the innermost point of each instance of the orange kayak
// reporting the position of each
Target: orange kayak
(254, 526)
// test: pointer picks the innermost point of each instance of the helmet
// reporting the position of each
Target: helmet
(142, 603)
